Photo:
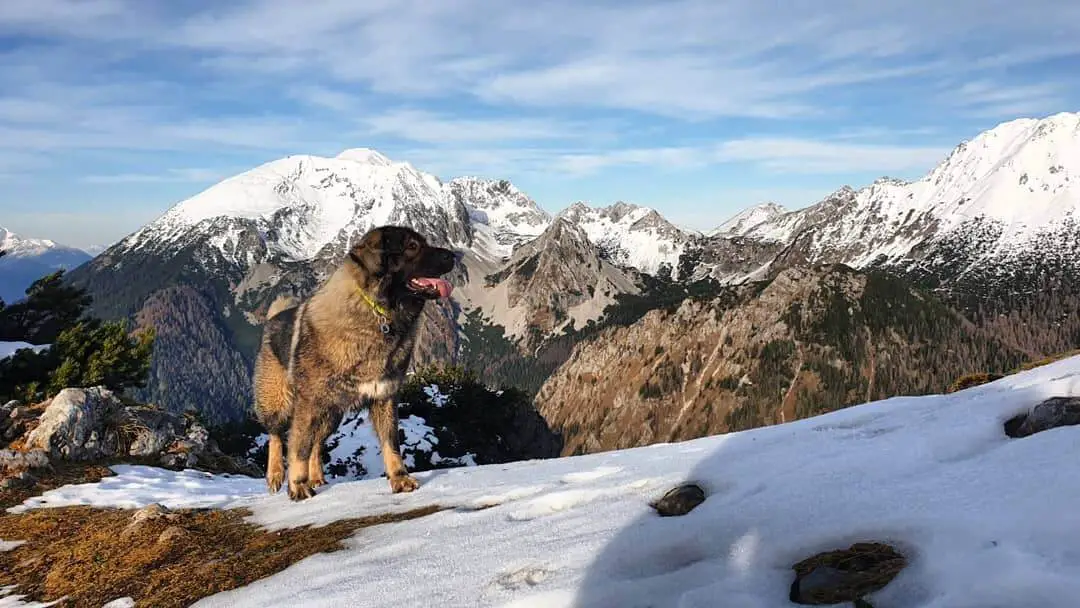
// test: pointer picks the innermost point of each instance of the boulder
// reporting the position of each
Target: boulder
(845, 575)
(83, 424)
(79, 424)
(679, 500)
(1046, 415)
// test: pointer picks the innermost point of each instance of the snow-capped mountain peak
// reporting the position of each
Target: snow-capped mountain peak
(502, 216)
(365, 156)
(19, 246)
(301, 204)
(743, 221)
(630, 235)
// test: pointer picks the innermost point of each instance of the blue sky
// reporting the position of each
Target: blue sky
(111, 111)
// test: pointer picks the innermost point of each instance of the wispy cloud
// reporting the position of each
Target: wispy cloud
(561, 89)
(788, 155)
(999, 100)
(427, 127)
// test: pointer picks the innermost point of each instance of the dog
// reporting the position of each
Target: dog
(346, 346)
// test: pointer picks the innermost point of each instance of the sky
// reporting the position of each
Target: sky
(111, 111)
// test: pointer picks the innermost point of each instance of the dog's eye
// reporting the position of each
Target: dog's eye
(412, 246)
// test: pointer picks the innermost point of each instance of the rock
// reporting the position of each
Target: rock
(153, 429)
(21, 480)
(172, 534)
(150, 511)
(846, 575)
(79, 424)
(15, 460)
(679, 500)
(92, 424)
(1051, 413)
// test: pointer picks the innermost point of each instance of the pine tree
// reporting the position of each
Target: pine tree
(83, 351)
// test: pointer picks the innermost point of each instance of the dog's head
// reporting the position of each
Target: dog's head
(403, 263)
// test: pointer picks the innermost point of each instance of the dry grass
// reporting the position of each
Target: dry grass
(1048, 360)
(92, 556)
(970, 380)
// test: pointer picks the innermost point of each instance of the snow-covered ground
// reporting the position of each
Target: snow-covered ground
(985, 520)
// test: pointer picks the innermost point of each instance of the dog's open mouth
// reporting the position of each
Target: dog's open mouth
(430, 287)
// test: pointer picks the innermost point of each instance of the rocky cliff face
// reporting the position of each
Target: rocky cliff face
(806, 341)
(555, 281)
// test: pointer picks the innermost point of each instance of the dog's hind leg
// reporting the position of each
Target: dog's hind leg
(301, 446)
(326, 424)
(385, 420)
(272, 409)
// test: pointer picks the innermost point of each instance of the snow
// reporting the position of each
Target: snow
(10, 599)
(984, 520)
(354, 451)
(747, 219)
(8, 349)
(136, 486)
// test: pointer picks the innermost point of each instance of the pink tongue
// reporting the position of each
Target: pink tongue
(441, 285)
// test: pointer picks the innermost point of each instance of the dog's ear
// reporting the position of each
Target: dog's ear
(371, 241)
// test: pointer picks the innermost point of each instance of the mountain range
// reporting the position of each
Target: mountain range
(989, 236)
(28, 259)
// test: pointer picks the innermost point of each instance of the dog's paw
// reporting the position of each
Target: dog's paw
(403, 483)
(274, 481)
(300, 490)
(317, 479)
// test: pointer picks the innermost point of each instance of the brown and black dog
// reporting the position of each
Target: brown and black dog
(346, 347)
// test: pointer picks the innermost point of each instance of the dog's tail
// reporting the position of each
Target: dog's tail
(279, 304)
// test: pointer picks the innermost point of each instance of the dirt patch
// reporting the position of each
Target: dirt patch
(159, 558)
(846, 575)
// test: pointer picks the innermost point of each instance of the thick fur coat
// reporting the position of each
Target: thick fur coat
(345, 347)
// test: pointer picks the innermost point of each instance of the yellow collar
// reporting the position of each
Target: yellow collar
(378, 308)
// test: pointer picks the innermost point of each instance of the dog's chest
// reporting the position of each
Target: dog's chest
(354, 391)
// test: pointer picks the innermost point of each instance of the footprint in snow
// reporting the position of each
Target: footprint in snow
(583, 476)
(556, 502)
(516, 579)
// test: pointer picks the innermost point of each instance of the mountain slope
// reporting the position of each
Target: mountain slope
(26, 259)
(804, 342)
(559, 279)
(934, 476)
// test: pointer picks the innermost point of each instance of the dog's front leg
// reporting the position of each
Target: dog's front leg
(301, 443)
(385, 420)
